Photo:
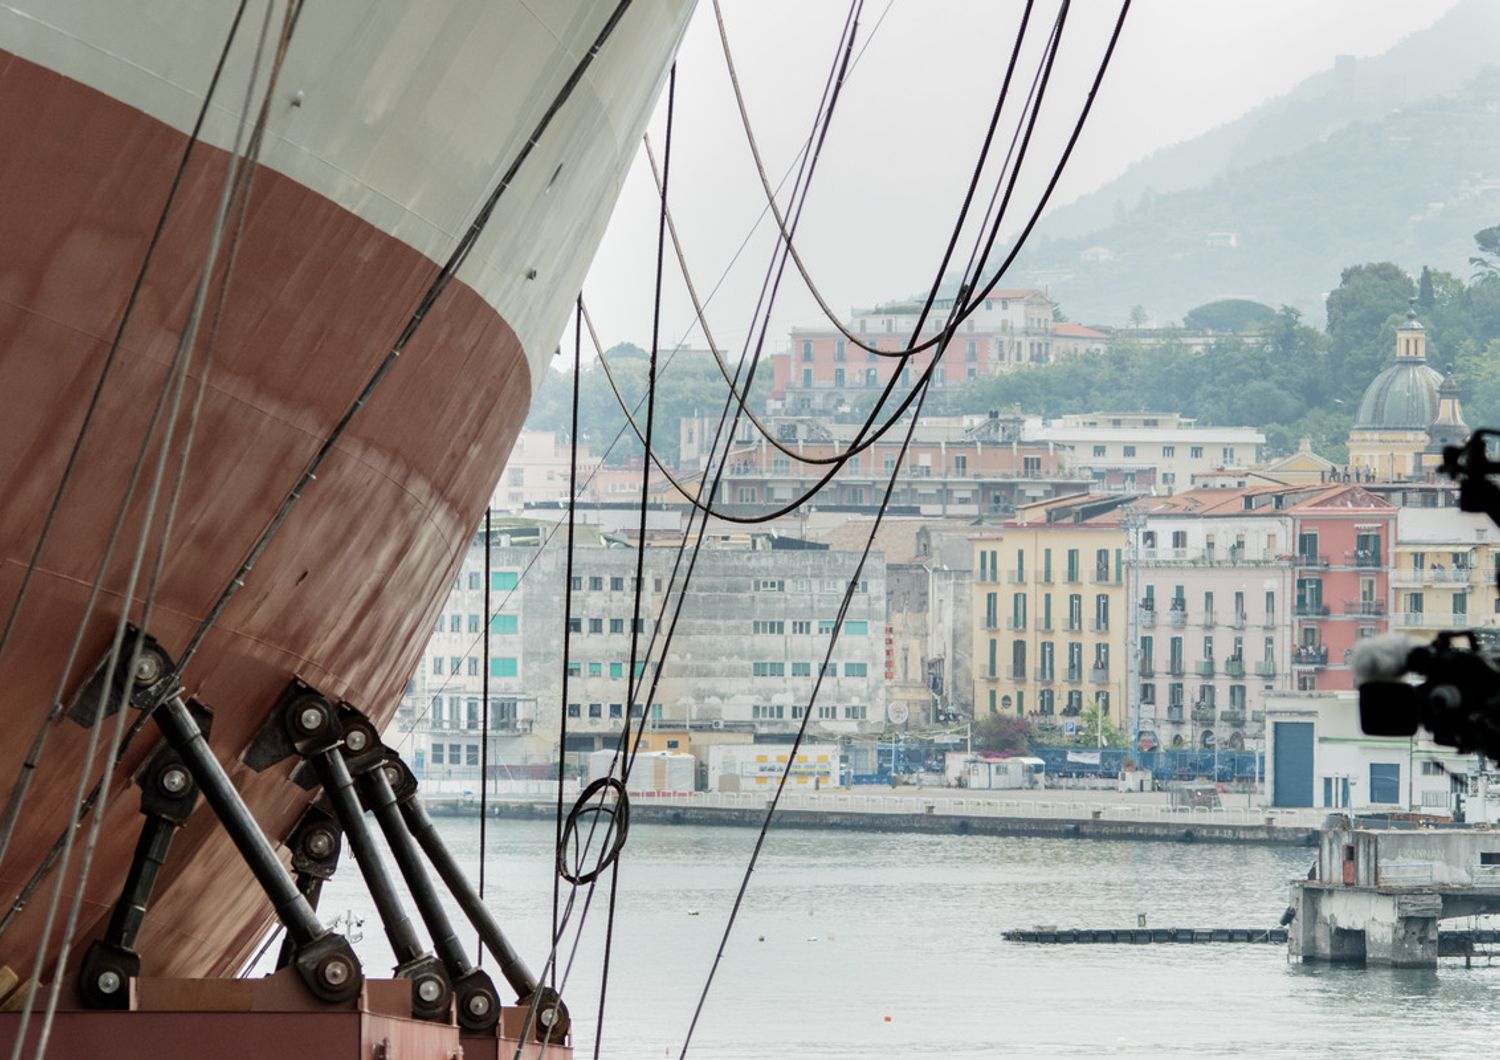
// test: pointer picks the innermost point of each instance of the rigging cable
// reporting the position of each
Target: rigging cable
(175, 384)
(955, 318)
(640, 544)
(484, 746)
(33, 758)
(862, 442)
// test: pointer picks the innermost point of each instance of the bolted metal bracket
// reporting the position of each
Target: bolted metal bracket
(103, 691)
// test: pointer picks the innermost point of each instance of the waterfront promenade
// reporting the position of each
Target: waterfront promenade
(1050, 813)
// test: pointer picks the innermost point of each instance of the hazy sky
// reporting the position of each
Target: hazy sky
(908, 128)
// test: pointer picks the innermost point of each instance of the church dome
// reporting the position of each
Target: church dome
(1404, 397)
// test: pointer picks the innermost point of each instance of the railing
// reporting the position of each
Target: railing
(1234, 718)
(1099, 674)
(1174, 713)
(1432, 576)
(1177, 618)
(1208, 620)
(1312, 559)
(1269, 621)
(1147, 618)
(1364, 558)
(1075, 675)
(1239, 620)
(1174, 667)
(1364, 607)
(1234, 667)
(1016, 673)
(1104, 577)
(1204, 715)
(1432, 620)
(1099, 625)
(1147, 668)
(1309, 610)
(1015, 577)
(1265, 668)
(1204, 668)
(1015, 624)
(1044, 625)
(1310, 657)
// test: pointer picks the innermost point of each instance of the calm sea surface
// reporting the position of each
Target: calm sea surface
(854, 944)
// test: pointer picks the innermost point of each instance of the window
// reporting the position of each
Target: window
(768, 669)
(1047, 566)
(617, 625)
(504, 579)
(770, 585)
(505, 667)
(767, 627)
(575, 625)
(854, 713)
(1385, 782)
(473, 624)
(437, 665)
(577, 583)
(991, 610)
(574, 709)
(437, 754)
(596, 585)
(1196, 452)
(575, 669)
(1018, 660)
(807, 377)
(1098, 450)
(1018, 611)
(1130, 450)
(616, 710)
(471, 754)
(856, 669)
(474, 582)
(1044, 661)
(801, 669)
(596, 625)
(1169, 450)
(839, 353)
(856, 627)
(1460, 604)
(1072, 565)
(838, 378)
(801, 626)
(455, 623)
(1101, 613)
(616, 669)
(471, 665)
(596, 710)
(1148, 695)
(505, 625)
(1075, 612)
(596, 669)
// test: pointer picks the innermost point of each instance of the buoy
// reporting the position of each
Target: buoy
(888, 1019)
(692, 912)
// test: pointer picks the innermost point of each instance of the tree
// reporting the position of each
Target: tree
(1002, 734)
(1233, 315)
(1138, 316)
(1478, 375)
(1488, 241)
(1426, 297)
(1359, 309)
(1088, 730)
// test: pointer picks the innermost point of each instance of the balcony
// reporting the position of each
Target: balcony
(1044, 625)
(1174, 667)
(1075, 625)
(1204, 714)
(1015, 624)
(1016, 577)
(1239, 620)
(1074, 675)
(1431, 620)
(1099, 675)
(1409, 576)
(1103, 577)
(1016, 673)
(1309, 609)
(1265, 668)
(1147, 668)
(1234, 667)
(1234, 717)
(1310, 656)
(1312, 559)
(1174, 713)
(1365, 608)
(1209, 621)
(1204, 668)
(1147, 616)
(991, 622)
(1177, 618)
(1269, 621)
(1365, 559)
(1099, 625)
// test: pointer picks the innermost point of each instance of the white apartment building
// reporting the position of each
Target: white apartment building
(1143, 447)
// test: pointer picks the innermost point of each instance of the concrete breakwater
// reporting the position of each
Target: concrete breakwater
(914, 813)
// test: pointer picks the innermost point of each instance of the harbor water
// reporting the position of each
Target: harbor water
(856, 944)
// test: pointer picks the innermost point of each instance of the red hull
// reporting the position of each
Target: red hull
(346, 595)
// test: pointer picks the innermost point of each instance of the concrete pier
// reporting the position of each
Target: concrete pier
(1377, 896)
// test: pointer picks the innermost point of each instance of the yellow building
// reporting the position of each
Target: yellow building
(1049, 611)
(1444, 572)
